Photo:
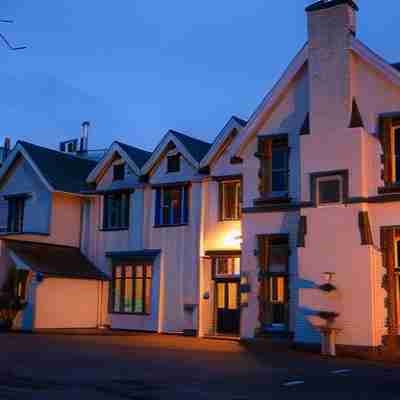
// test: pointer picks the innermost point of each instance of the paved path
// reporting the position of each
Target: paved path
(149, 367)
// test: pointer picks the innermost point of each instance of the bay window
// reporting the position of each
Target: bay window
(131, 289)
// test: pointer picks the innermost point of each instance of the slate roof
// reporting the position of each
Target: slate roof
(396, 66)
(138, 156)
(64, 172)
(54, 260)
(196, 147)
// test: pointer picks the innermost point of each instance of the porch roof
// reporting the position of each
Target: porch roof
(55, 260)
(133, 256)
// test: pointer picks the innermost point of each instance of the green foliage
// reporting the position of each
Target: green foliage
(10, 302)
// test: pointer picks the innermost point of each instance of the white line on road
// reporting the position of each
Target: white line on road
(293, 383)
(340, 371)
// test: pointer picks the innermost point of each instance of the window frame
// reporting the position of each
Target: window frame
(160, 206)
(119, 172)
(266, 146)
(328, 175)
(238, 200)
(124, 213)
(13, 204)
(232, 258)
(394, 156)
(171, 159)
(147, 305)
(337, 178)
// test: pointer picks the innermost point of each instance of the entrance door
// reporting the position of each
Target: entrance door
(228, 310)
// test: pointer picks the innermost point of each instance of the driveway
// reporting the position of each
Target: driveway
(146, 367)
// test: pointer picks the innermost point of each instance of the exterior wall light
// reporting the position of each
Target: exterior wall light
(328, 286)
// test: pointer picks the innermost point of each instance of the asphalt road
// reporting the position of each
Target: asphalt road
(149, 367)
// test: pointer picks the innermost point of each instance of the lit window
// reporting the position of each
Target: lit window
(131, 289)
(230, 200)
(227, 266)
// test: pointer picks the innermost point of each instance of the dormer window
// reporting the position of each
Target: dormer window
(16, 206)
(173, 163)
(119, 172)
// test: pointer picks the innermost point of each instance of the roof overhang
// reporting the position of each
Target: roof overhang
(17, 152)
(231, 128)
(134, 256)
(158, 153)
(108, 159)
(376, 61)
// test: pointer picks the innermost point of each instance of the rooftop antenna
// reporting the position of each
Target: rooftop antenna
(4, 39)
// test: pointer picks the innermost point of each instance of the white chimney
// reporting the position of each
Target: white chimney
(84, 141)
(331, 27)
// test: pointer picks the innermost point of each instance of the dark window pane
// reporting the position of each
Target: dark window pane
(173, 163)
(119, 172)
(172, 206)
(329, 191)
(16, 214)
(278, 258)
(397, 142)
(116, 211)
(279, 158)
(398, 254)
(279, 181)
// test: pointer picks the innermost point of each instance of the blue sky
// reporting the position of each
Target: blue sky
(136, 68)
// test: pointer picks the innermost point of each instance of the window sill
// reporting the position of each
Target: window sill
(393, 188)
(229, 220)
(169, 226)
(24, 233)
(113, 229)
(130, 313)
(266, 201)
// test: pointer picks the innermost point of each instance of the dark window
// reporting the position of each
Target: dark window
(274, 166)
(173, 163)
(16, 214)
(119, 172)
(71, 147)
(398, 254)
(131, 289)
(280, 168)
(116, 211)
(329, 191)
(230, 200)
(172, 205)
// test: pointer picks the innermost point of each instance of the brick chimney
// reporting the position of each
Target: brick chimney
(331, 25)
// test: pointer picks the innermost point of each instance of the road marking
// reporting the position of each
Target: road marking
(293, 383)
(340, 371)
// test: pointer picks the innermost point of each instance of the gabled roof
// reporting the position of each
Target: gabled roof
(271, 99)
(196, 147)
(59, 171)
(138, 156)
(54, 260)
(224, 138)
(390, 71)
(192, 149)
(133, 156)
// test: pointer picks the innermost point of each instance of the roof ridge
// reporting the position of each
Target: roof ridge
(173, 131)
(71, 156)
(133, 147)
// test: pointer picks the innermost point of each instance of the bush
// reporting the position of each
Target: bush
(10, 305)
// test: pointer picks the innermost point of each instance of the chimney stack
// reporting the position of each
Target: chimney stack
(331, 28)
(7, 148)
(84, 141)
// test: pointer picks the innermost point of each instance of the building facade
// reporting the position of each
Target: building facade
(287, 223)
